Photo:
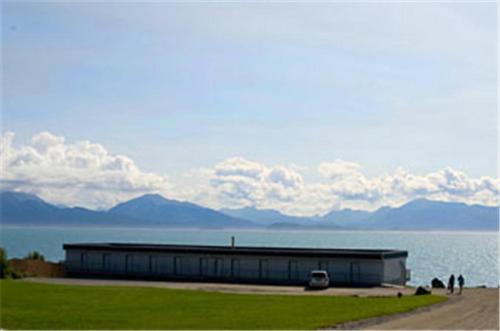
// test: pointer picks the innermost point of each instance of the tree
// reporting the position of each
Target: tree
(4, 264)
(35, 256)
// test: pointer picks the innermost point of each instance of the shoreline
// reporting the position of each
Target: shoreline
(245, 229)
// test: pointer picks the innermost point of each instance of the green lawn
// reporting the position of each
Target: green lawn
(27, 305)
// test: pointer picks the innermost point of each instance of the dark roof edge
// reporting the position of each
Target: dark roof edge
(244, 250)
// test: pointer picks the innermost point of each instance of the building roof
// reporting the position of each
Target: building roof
(243, 250)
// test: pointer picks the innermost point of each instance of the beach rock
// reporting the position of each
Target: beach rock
(437, 283)
(422, 291)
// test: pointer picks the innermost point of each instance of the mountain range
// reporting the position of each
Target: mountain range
(150, 210)
(153, 210)
(266, 217)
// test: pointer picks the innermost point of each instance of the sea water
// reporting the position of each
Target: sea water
(431, 254)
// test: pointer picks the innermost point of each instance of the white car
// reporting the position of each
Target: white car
(319, 279)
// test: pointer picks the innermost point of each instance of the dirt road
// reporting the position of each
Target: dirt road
(228, 288)
(475, 309)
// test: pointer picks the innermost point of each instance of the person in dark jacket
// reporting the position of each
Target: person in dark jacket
(461, 282)
(451, 284)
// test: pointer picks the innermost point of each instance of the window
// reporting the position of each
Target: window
(318, 275)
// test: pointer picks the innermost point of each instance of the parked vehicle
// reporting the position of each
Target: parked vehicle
(319, 279)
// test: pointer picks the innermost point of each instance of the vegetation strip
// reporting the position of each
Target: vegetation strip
(42, 306)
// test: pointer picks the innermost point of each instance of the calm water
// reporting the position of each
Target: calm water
(431, 254)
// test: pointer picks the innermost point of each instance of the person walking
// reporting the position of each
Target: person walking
(461, 282)
(451, 284)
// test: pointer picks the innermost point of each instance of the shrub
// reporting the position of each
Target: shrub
(15, 274)
(5, 270)
(35, 256)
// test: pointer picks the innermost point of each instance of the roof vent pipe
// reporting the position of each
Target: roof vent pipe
(232, 241)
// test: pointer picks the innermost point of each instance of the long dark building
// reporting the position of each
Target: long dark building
(271, 265)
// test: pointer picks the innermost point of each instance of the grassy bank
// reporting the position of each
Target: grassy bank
(27, 305)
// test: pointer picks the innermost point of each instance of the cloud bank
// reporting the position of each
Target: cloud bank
(86, 174)
(242, 182)
(80, 173)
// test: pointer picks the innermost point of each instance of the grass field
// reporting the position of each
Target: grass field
(26, 305)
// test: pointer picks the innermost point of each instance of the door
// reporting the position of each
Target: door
(263, 269)
(355, 273)
(129, 263)
(211, 268)
(235, 268)
(293, 270)
(153, 264)
(217, 270)
(106, 262)
(177, 266)
(204, 270)
(84, 261)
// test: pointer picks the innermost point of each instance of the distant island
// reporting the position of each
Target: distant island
(153, 210)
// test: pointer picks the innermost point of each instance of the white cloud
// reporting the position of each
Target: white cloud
(401, 186)
(80, 173)
(85, 173)
(240, 182)
(338, 169)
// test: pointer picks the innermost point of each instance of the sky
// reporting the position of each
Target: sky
(299, 107)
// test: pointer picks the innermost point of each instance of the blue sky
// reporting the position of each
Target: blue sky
(182, 86)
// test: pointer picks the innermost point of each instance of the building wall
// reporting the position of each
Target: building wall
(395, 271)
(256, 269)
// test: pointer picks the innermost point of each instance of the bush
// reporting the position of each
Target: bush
(5, 270)
(14, 274)
(35, 256)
